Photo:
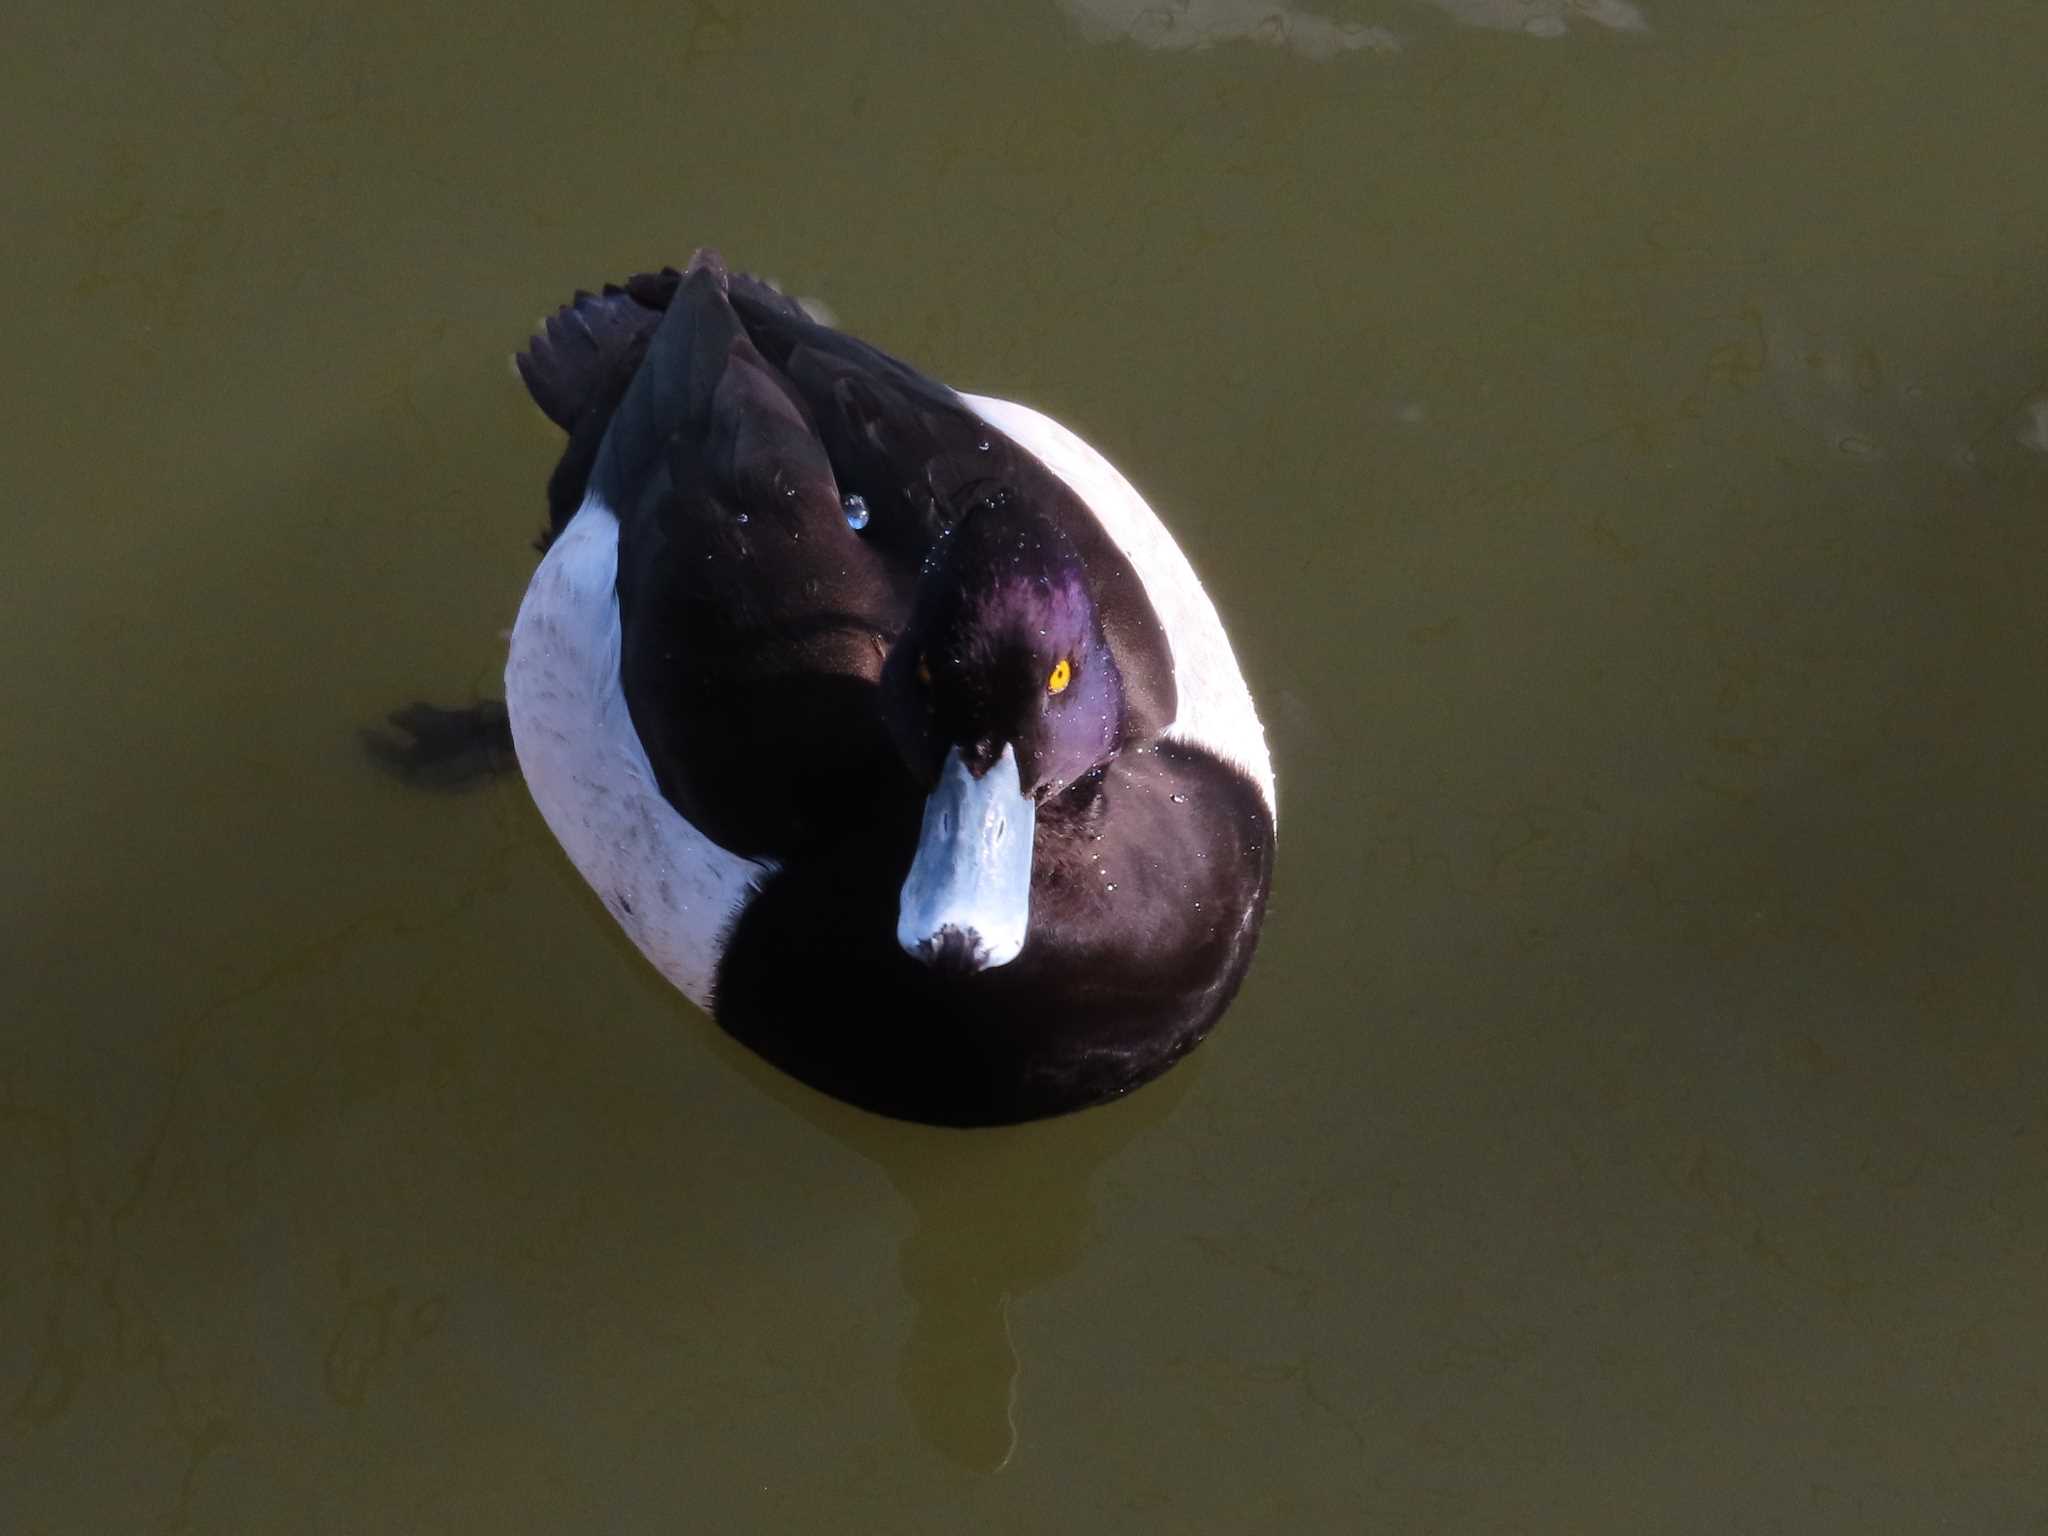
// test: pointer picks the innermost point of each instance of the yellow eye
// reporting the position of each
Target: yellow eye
(924, 670)
(1062, 674)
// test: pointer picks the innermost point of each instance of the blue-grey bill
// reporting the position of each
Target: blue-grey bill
(967, 901)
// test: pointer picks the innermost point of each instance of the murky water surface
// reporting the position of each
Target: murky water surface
(1618, 436)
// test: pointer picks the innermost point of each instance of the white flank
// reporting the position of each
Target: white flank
(1215, 707)
(674, 891)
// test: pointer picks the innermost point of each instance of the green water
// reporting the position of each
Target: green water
(1618, 439)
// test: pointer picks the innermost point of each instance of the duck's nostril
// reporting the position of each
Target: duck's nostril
(954, 951)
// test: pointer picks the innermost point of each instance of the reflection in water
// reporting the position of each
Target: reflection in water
(1544, 18)
(1187, 24)
(1182, 25)
(1000, 1213)
(2034, 430)
(1863, 404)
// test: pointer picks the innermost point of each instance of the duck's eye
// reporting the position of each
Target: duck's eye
(1062, 674)
(924, 670)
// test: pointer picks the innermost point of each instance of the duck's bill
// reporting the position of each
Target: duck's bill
(967, 901)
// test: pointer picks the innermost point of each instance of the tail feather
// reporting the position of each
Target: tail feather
(583, 367)
(580, 352)
(585, 353)
(679, 370)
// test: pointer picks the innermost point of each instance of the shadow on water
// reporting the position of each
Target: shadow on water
(1000, 1213)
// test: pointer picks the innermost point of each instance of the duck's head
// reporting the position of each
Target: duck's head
(1002, 695)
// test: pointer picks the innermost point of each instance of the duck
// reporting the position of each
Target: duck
(887, 721)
